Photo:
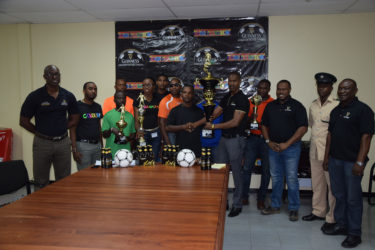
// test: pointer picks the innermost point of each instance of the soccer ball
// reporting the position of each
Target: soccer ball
(186, 158)
(123, 158)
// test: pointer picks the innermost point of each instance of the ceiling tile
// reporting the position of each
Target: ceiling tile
(56, 17)
(185, 3)
(34, 5)
(216, 11)
(363, 6)
(116, 4)
(9, 19)
(133, 14)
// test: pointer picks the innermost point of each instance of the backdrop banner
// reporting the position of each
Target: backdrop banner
(177, 48)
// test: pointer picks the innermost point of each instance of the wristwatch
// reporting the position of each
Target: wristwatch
(267, 140)
(213, 126)
(359, 163)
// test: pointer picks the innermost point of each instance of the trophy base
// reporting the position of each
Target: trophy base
(208, 133)
(121, 140)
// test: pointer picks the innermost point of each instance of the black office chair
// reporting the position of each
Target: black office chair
(13, 176)
(372, 179)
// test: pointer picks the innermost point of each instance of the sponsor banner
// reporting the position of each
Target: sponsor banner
(134, 85)
(179, 48)
(211, 32)
(134, 34)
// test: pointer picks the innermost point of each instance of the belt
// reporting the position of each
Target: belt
(52, 138)
(151, 129)
(89, 141)
(228, 136)
(261, 136)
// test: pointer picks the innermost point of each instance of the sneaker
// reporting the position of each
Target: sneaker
(293, 215)
(270, 210)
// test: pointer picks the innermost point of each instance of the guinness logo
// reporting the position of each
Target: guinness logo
(200, 56)
(130, 57)
(252, 32)
(249, 85)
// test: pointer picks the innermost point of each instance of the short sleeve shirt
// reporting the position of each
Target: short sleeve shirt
(230, 104)
(89, 121)
(167, 104)
(283, 119)
(151, 112)
(50, 113)
(347, 125)
(181, 115)
(109, 121)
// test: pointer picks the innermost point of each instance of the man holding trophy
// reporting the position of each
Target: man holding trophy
(256, 146)
(118, 125)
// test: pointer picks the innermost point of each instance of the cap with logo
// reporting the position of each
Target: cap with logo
(327, 78)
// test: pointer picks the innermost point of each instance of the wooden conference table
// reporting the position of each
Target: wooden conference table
(156, 207)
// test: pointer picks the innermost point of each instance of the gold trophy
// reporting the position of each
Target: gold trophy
(121, 124)
(256, 100)
(209, 83)
(141, 118)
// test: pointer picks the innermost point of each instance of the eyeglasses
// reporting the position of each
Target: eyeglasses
(174, 85)
(148, 85)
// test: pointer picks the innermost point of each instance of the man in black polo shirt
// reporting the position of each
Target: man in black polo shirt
(187, 120)
(86, 138)
(235, 107)
(284, 122)
(350, 131)
(50, 105)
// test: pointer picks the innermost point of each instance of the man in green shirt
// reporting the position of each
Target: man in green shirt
(110, 130)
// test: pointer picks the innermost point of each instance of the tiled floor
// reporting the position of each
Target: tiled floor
(253, 231)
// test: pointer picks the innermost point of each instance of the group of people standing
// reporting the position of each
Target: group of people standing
(341, 133)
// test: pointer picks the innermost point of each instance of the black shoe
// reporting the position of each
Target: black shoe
(327, 225)
(270, 210)
(311, 217)
(293, 215)
(351, 241)
(335, 229)
(234, 212)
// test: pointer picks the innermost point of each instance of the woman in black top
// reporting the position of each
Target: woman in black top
(151, 131)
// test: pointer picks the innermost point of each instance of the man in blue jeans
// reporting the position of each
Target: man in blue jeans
(350, 130)
(284, 122)
(256, 147)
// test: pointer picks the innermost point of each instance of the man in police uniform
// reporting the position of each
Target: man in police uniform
(284, 122)
(235, 107)
(50, 105)
(319, 113)
(351, 127)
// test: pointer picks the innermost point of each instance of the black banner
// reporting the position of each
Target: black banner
(177, 48)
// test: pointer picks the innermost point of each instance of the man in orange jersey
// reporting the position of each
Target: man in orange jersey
(257, 147)
(165, 106)
(110, 104)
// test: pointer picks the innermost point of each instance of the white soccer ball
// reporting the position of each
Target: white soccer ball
(123, 158)
(186, 158)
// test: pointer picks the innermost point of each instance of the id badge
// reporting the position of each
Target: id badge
(154, 135)
(207, 133)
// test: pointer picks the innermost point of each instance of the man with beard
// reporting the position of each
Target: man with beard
(50, 106)
(186, 120)
(165, 106)
(350, 130)
(284, 122)
(235, 107)
(86, 137)
(114, 139)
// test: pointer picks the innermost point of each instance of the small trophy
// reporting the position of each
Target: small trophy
(141, 117)
(209, 83)
(121, 124)
(256, 100)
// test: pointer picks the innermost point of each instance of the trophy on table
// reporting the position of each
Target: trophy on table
(141, 118)
(256, 100)
(209, 83)
(121, 124)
